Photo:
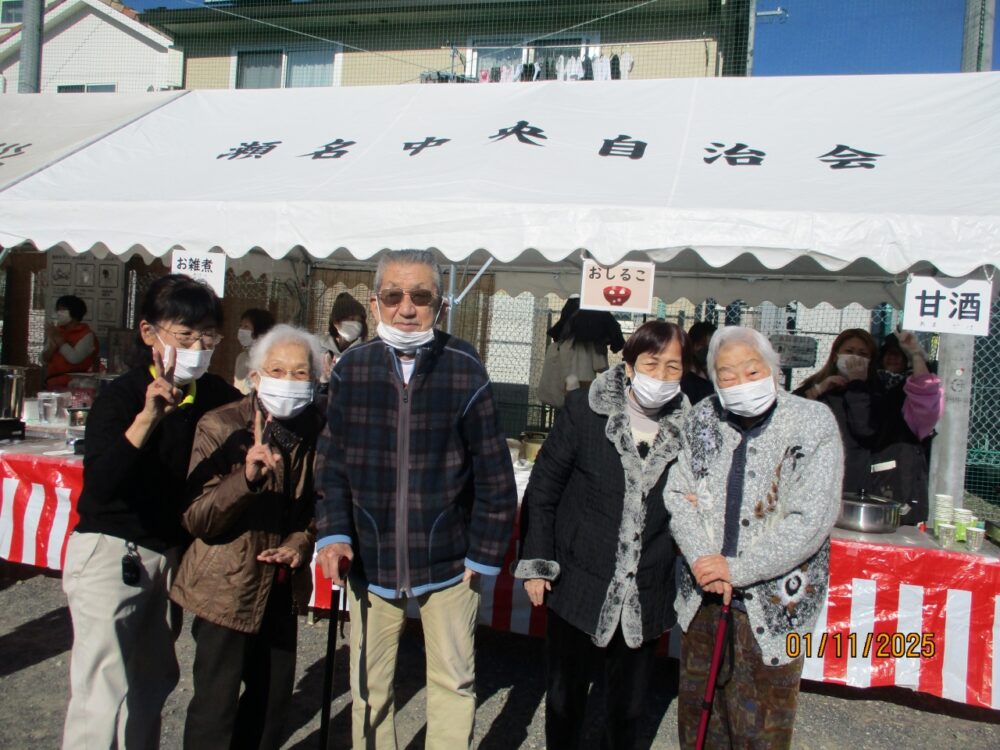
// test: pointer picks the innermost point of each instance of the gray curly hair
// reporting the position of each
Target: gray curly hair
(286, 334)
(748, 337)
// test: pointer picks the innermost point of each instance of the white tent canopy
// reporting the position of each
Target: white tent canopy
(765, 180)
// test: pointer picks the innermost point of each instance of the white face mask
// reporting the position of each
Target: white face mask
(652, 393)
(62, 317)
(406, 341)
(282, 398)
(349, 330)
(844, 359)
(190, 365)
(245, 337)
(749, 399)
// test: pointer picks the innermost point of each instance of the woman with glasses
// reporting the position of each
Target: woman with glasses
(251, 485)
(122, 555)
(596, 549)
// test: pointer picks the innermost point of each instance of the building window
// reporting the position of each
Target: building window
(258, 70)
(87, 88)
(285, 68)
(309, 67)
(11, 11)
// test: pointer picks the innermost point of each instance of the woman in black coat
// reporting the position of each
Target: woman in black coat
(595, 544)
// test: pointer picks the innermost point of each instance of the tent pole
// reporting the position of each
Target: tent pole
(479, 275)
(451, 295)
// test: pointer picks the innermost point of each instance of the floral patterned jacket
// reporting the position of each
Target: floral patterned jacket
(791, 498)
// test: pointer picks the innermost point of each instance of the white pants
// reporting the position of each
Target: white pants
(123, 665)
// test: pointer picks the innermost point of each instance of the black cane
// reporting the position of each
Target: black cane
(331, 657)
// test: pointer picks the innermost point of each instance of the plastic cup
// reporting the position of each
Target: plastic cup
(974, 538)
(946, 534)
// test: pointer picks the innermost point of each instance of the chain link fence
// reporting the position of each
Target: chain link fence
(982, 470)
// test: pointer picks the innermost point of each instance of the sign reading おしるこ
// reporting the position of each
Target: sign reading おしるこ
(948, 307)
(627, 287)
(209, 268)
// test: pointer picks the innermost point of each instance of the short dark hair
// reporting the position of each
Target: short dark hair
(652, 336)
(75, 306)
(701, 331)
(175, 297)
(261, 321)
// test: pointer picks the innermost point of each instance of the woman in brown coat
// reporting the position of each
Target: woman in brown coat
(251, 480)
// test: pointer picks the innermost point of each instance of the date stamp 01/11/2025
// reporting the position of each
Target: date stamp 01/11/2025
(879, 645)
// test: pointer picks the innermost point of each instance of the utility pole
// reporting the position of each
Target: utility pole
(30, 66)
(977, 42)
(956, 351)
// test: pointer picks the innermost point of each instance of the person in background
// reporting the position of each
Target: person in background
(70, 344)
(122, 555)
(579, 350)
(752, 499)
(251, 481)
(417, 489)
(254, 323)
(696, 384)
(348, 325)
(595, 544)
(847, 383)
(912, 404)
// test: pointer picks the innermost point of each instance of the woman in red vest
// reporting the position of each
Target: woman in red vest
(71, 346)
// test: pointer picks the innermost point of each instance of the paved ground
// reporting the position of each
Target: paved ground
(35, 636)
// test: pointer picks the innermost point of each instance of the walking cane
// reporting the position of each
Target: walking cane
(713, 675)
(331, 657)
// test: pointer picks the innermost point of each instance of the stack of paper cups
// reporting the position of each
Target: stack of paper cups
(944, 510)
(963, 519)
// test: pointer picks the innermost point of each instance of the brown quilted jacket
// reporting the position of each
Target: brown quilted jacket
(220, 578)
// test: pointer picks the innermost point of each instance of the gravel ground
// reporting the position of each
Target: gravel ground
(35, 637)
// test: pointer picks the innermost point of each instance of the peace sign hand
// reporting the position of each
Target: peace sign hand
(162, 396)
(261, 460)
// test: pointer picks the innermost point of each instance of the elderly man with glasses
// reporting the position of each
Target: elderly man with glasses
(417, 497)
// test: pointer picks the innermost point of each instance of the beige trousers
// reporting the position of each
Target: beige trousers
(448, 617)
(122, 667)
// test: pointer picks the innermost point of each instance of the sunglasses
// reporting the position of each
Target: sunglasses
(394, 297)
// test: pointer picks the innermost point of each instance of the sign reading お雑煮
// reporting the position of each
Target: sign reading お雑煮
(627, 287)
(209, 268)
(959, 306)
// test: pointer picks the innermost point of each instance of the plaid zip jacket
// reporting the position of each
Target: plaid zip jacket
(417, 478)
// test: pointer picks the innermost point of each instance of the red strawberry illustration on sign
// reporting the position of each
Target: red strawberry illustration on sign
(617, 295)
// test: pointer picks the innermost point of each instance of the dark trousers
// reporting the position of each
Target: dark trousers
(572, 659)
(218, 716)
(754, 704)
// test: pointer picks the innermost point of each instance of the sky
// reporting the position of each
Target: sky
(828, 37)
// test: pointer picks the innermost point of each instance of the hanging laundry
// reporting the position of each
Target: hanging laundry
(616, 68)
(588, 68)
(628, 62)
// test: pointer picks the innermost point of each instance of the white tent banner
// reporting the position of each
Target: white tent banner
(896, 169)
(39, 129)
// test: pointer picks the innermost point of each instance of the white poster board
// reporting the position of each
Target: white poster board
(946, 306)
(207, 267)
(627, 287)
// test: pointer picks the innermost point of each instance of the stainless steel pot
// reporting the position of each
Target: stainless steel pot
(870, 514)
(11, 391)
